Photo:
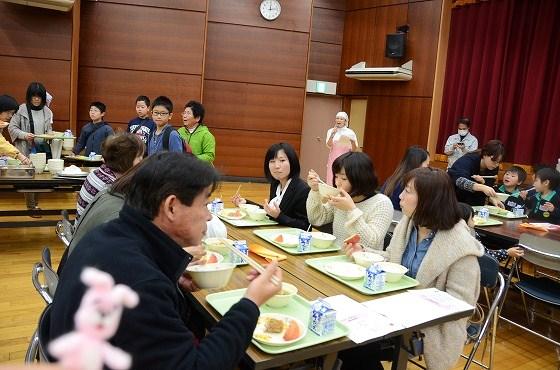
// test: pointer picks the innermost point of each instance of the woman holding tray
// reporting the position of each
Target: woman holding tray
(358, 208)
(287, 191)
(437, 247)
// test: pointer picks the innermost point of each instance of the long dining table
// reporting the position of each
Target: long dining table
(510, 230)
(311, 285)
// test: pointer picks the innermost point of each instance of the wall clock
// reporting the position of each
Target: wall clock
(270, 9)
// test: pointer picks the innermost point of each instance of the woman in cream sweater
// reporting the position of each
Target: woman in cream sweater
(436, 246)
(358, 209)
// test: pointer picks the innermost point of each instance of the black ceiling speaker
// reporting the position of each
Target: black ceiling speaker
(395, 45)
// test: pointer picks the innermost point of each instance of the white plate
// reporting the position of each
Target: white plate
(232, 213)
(345, 270)
(277, 339)
(79, 174)
(289, 240)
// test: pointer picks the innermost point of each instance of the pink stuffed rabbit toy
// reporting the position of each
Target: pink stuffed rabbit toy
(97, 320)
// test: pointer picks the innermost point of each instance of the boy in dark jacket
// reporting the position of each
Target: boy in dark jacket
(95, 132)
(545, 205)
(143, 125)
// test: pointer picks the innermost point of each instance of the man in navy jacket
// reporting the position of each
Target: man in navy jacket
(165, 211)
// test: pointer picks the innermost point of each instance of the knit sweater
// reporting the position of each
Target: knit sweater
(450, 265)
(96, 181)
(7, 149)
(370, 219)
(201, 141)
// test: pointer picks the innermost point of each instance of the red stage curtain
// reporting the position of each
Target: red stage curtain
(503, 72)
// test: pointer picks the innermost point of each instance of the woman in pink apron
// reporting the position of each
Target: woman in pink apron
(340, 140)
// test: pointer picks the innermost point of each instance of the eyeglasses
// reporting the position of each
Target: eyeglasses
(160, 114)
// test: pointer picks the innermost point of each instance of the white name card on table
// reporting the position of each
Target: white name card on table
(379, 317)
(362, 323)
(416, 307)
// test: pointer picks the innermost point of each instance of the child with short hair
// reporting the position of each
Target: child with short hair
(513, 178)
(545, 205)
(95, 132)
(164, 137)
(142, 125)
(467, 213)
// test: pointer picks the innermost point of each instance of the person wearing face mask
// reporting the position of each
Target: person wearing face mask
(340, 140)
(475, 173)
(32, 118)
(460, 143)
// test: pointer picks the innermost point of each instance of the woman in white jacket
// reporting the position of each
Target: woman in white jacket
(436, 246)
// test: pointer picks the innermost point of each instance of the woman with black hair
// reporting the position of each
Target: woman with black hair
(287, 191)
(32, 118)
(475, 173)
(358, 209)
(414, 157)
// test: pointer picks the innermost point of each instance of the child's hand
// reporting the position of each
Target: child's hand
(548, 207)
(496, 202)
(515, 252)
(351, 248)
(4, 124)
(523, 194)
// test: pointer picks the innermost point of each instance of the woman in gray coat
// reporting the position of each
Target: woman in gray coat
(32, 118)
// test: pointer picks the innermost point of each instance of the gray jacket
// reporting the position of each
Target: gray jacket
(20, 126)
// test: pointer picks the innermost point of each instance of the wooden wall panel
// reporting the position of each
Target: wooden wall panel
(357, 46)
(256, 55)
(324, 61)
(141, 38)
(54, 74)
(32, 32)
(366, 4)
(295, 15)
(241, 152)
(327, 26)
(330, 4)
(245, 106)
(119, 88)
(197, 5)
(392, 125)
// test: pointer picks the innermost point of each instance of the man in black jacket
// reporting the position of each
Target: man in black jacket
(165, 211)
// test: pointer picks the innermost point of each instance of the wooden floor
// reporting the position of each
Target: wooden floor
(20, 305)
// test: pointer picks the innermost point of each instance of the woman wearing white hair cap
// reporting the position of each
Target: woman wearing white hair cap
(340, 140)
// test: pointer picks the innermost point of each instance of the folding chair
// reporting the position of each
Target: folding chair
(543, 287)
(493, 284)
(46, 290)
(65, 229)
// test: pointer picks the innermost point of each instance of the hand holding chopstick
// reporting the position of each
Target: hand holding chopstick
(254, 264)
(236, 198)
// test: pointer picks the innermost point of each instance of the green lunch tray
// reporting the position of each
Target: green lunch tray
(497, 211)
(269, 234)
(299, 308)
(489, 222)
(247, 222)
(358, 284)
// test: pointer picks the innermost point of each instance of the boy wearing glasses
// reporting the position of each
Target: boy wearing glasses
(94, 133)
(164, 137)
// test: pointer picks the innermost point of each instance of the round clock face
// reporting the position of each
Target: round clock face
(270, 9)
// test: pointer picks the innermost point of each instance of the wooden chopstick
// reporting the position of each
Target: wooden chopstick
(254, 264)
